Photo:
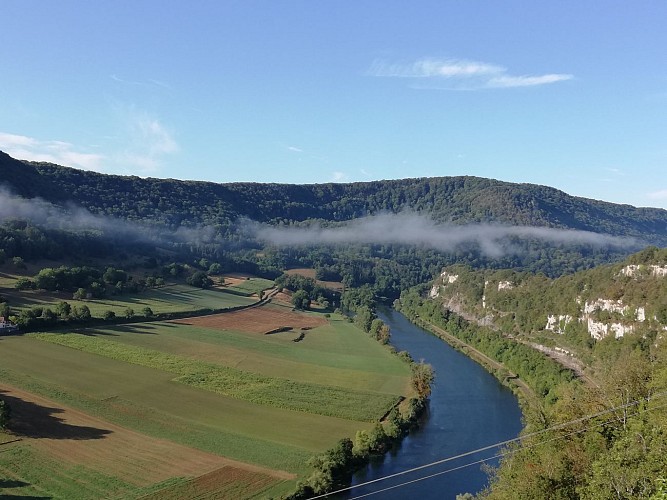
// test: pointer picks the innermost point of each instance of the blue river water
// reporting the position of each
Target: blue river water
(468, 410)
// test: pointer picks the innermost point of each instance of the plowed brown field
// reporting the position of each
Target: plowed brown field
(257, 320)
(226, 482)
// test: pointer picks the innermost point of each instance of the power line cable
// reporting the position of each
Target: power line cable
(498, 455)
(495, 445)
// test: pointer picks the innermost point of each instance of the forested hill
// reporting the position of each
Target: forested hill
(447, 199)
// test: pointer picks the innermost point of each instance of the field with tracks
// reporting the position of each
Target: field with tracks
(210, 406)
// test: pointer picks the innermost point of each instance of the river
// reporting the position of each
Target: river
(468, 409)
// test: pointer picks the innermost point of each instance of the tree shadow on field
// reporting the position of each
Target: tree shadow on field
(12, 483)
(8, 484)
(31, 420)
(115, 330)
(21, 497)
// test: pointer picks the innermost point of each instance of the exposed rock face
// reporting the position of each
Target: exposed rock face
(454, 305)
(505, 285)
(634, 270)
(449, 278)
(639, 309)
(596, 328)
(599, 330)
(605, 305)
(558, 323)
(445, 279)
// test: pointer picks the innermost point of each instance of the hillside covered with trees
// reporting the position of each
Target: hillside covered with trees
(446, 199)
(89, 213)
(599, 430)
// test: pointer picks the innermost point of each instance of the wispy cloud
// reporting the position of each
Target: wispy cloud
(148, 83)
(149, 141)
(428, 68)
(461, 74)
(507, 81)
(73, 217)
(419, 230)
(339, 177)
(62, 153)
(294, 149)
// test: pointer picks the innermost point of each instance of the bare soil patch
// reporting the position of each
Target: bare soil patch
(258, 320)
(306, 272)
(284, 297)
(226, 482)
(74, 437)
(232, 279)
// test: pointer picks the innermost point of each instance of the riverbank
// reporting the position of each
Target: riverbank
(499, 370)
(468, 409)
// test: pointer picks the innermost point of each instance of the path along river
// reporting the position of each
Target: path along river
(468, 409)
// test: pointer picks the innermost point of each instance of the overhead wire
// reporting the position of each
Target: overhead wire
(498, 455)
(498, 444)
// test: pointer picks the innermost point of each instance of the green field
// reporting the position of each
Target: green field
(166, 299)
(259, 399)
(290, 393)
(333, 355)
(250, 286)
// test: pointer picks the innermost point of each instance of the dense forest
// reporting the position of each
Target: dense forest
(89, 213)
(446, 199)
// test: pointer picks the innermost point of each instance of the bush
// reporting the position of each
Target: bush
(63, 309)
(199, 279)
(24, 284)
(82, 313)
(300, 300)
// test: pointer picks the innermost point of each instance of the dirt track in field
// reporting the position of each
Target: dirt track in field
(74, 437)
(257, 320)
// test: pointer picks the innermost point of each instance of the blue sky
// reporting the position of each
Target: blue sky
(570, 94)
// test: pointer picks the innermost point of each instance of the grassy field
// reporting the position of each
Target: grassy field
(331, 357)
(166, 299)
(258, 399)
(249, 286)
(286, 393)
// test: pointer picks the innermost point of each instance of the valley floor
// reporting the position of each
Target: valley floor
(179, 409)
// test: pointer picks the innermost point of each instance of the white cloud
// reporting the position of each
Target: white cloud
(427, 68)
(339, 177)
(156, 138)
(462, 74)
(506, 81)
(295, 149)
(140, 144)
(148, 142)
(59, 152)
